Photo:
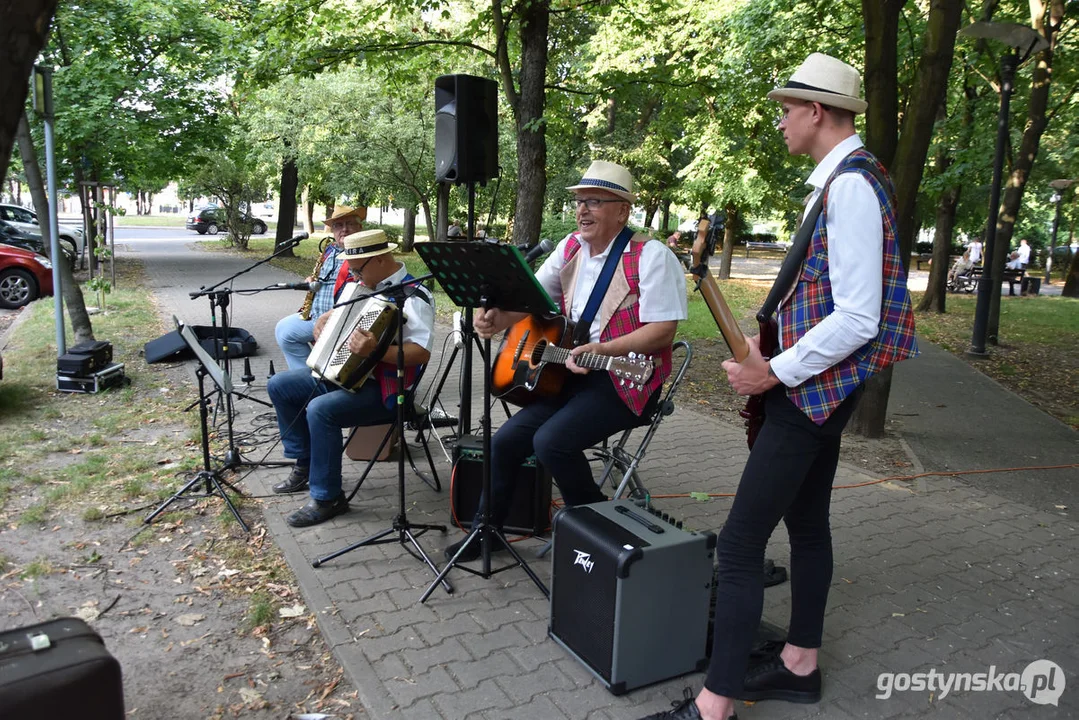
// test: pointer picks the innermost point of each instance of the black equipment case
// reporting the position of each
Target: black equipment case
(530, 511)
(58, 669)
(170, 347)
(112, 375)
(85, 358)
(630, 593)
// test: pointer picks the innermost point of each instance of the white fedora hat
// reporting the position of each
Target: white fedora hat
(609, 176)
(824, 79)
(367, 243)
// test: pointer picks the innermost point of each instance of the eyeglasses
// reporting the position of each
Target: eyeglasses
(593, 203)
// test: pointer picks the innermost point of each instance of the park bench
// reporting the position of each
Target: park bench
(764, 246)
(1009, 276)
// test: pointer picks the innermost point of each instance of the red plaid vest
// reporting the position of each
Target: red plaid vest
(624, 321)
(811, 302)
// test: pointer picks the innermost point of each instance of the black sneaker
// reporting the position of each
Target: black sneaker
(684, 710)
(317, 511)
(771, 680)
(294, 483)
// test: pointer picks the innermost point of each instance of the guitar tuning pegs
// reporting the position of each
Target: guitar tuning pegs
(633, 354)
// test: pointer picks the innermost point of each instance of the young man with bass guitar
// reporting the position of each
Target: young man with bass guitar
(626, 295)
(843, 314)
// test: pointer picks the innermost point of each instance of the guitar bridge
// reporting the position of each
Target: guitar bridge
(520, 347)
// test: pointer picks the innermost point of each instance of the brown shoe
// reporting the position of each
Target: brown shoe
(296, 481)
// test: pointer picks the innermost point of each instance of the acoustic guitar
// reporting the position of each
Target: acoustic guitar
(531, 361)
(703, 248)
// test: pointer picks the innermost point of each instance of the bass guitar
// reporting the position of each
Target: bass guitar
(753, 413)
(531, 361)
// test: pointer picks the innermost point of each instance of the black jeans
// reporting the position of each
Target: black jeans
(788, 477)
(558, 430)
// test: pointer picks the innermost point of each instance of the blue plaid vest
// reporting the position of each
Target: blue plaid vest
(811, 302)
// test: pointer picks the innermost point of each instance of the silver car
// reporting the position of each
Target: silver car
(72, 238)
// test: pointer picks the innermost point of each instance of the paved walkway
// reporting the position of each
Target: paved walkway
(969, 574)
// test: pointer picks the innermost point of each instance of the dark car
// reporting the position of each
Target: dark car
(211, 219)
(24, 276)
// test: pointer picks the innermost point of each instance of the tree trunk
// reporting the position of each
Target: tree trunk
(22, 35)
(442, 205)
(905, 155)
(649, 215)
(72, 293)
(286, 206)
(531, 127)
(425, 203)
(881, 67)
(408, 232)
(936, 291)
(728, 241)
(665, 217)
(1036, 123)
(1071, 283)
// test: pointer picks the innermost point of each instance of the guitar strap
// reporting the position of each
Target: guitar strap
(583, 329)
(796, 255)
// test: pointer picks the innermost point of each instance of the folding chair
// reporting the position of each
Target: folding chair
(415, 419)
(618, 457)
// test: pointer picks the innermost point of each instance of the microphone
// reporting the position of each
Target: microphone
(295, 239)
(545, 246)
(305, 286)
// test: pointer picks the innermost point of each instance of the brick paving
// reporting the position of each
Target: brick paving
(939, 574)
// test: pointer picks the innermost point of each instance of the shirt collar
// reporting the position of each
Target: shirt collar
(831, 161)
(394, 279)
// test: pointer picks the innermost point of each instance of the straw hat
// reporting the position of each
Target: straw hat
(343, 211)
(824, 79)
(367, 243)
(609, 176)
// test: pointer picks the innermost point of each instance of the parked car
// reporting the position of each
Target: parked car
(211, 219)
(24, 276)
(19, 235)
(72, 238)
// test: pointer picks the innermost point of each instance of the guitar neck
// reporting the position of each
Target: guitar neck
(559, 355)
(721, 313)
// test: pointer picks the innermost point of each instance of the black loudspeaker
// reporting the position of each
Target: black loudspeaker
(630, 593)
(530, 513)
(466, 129)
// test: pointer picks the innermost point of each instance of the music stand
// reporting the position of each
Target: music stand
(214, 484)
(486, 275)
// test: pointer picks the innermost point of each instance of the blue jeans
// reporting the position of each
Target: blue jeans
(311, 415)
(294, 336)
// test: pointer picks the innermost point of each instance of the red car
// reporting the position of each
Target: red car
(24, 276)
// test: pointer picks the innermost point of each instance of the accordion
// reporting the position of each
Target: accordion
(331, 359)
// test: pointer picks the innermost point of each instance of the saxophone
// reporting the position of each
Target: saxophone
(309, 300)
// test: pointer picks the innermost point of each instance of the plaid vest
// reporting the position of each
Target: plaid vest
(625, 320)
(386, 372)
(812, 301)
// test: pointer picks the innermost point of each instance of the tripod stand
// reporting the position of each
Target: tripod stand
(214, 485)
(401, 527)
(488, 276)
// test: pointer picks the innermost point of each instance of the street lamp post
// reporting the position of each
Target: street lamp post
(1058, 186)
(1028, 41)
(43, 105)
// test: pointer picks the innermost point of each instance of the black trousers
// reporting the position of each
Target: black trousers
(788, 477)
(558, 430)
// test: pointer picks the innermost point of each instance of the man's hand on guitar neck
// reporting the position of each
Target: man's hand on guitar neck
(490, 322)
(753, 375)
(572, 366)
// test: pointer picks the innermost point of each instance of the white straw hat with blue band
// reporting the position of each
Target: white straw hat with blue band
(609, 176)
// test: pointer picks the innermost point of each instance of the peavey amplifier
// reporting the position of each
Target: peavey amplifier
(630, 593)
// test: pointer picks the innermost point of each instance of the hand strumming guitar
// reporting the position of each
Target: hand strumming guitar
(752, 376)
(489, 322)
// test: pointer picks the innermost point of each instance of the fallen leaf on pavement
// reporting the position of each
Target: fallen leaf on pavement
(190, 619)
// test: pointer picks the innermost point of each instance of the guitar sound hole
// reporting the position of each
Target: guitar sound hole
(537, 353)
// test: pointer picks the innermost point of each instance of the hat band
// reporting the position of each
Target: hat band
(366, 249)
(792, 85)
(595, 182)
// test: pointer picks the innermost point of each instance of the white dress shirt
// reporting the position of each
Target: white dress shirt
(662, 282)
(419, 314)
(855, 269)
